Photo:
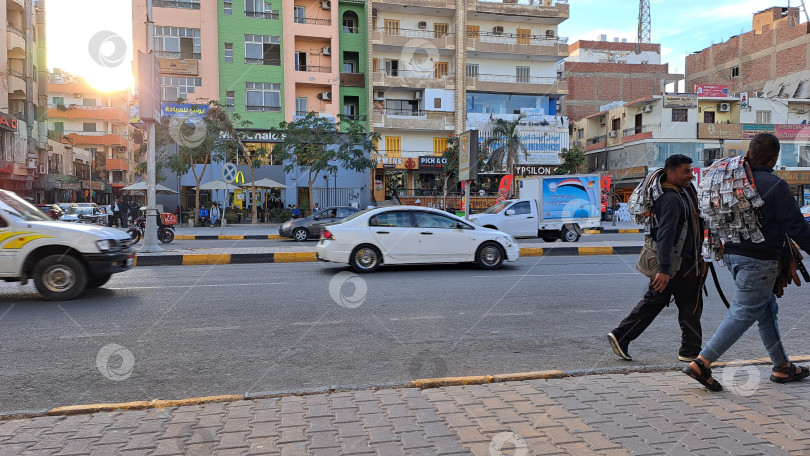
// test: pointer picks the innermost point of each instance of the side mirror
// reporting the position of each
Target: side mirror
(510, 212)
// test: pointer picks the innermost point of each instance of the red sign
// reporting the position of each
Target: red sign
(7, 122)
(711, 90)
(605, 185)
(793, 132)
(506, 185)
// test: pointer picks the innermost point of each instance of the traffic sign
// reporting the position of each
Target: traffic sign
(229, 173)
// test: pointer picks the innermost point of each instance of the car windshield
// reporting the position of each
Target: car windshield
(353, 216)
(18, 207)
(498, 207)
(80, 210)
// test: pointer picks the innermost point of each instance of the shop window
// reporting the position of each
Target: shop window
(680, 115)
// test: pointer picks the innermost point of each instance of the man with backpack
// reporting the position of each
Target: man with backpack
(754, 267)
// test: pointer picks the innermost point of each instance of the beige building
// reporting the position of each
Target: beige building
(23, 93)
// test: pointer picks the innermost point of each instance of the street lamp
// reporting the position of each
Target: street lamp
(326, 177)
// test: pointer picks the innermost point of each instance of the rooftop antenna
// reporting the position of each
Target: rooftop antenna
(644, 26)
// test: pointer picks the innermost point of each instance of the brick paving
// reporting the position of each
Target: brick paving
(613, 414)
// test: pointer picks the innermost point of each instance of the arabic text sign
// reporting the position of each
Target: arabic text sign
(711, 90)
(793, 132)
(680, 100)
(183, 109)
(751, 130)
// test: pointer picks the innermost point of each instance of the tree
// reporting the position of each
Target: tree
(451, 167)
(505, 145)
(573, 161)
(319, 145)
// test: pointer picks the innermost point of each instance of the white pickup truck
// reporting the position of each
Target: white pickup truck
(549, 207)
(63, 259)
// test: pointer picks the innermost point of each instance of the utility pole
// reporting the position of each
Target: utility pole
(150, 236)
(644, 24)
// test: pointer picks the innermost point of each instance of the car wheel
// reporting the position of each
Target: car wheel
(489, 256)
(300, 234)
(166, 236)
(549, 238)
(365, 258)
(569, 235)
(60, 277)
(135, 235)
(98, 281)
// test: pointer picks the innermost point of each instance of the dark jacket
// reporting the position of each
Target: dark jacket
(779, 216)
(670, 211)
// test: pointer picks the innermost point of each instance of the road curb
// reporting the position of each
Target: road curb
(614, 231)
(225, 237)
(418, 383)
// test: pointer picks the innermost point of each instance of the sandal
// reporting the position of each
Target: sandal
(790, 369)
(704, 376)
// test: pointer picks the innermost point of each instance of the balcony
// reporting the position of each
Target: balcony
(414, 79)
(511, 43)
(250, 108)
(176, 4)
(16, 38)
(312, 21)
(313, 68)
(98, 113)
(408, 38)
(596, 142)
(97, 139)
(416, 6)
(517, 84)
(16, 84)
(262, 61)
(117, 164)
(553, 13)
(352, 80)
(639, 133)
(403, 119)
(179, 55)
(262, 14)
(355, 117)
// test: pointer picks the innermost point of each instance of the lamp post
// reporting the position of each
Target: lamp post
(326, 177)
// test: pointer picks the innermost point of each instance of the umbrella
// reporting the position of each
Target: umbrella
(265, 183)
(217, 185)
(141, 187)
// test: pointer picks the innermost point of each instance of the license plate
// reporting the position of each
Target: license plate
(129, 261)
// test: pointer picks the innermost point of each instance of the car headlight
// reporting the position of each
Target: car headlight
(103, 245)
(287, 224)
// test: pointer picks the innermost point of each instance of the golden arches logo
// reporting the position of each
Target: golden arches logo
(239, 175)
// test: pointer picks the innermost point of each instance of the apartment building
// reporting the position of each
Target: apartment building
(97, 122)
(68, 173)
(436, 63)
(23, 93)
(602, 71)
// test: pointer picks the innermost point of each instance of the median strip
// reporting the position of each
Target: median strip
(226, 237)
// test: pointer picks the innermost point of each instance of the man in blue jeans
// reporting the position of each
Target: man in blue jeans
(754, 269)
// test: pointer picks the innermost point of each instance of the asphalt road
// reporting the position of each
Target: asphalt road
(207, 330)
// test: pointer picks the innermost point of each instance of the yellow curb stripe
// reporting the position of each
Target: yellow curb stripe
(294, 257)
(157, 403)
(230, 237)
(185, 237)
(592, 231)
(529, 376)
(211, 258)
(595, 250)
(134, 261)
(531, 251)
(273, 236)
(630, 230)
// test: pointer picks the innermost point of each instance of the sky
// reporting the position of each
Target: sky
(100, 47)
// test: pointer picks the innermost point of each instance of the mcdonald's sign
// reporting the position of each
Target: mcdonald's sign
(241, 176)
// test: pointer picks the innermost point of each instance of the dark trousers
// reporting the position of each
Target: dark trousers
(118, 218)
(686, 288)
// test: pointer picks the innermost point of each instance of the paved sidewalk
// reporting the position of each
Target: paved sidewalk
(608, 414)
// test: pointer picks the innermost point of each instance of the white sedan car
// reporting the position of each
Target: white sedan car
(412, 235)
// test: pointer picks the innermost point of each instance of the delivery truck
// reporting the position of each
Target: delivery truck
(549, 207)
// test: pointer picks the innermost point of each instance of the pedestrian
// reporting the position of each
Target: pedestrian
(316, 209)
(295, 211)
(754, 268)
(214, 214)
(124, 206)
(677, 215)
(117, 212)
(203, 214)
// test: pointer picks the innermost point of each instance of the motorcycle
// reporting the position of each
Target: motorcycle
(165, 232)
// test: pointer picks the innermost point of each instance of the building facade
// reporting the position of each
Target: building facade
(23, 99)
(600, 72)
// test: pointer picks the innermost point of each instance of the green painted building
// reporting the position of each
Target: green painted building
(354, 71)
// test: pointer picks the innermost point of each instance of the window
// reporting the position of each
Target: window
(439, 146)
(227, 8)
(263, 50)
(350, 111)
(228, 52)
(680, 115)
(393, 146)
(59, 126)
(301, 106)
(350, 21)
(177, 87)
(391, 27)
(344, 212)
(300, 15)
(392, 219)
(735, 72)
(349, 66)
(522, 208)
(88, 126)
(177, 42)
(615, 124)
(472, 70)
(375, 65)
(229, 100)
(59, 101)
(763, 117)
(260, 9)
(431, 220)
(401, 107)
(522, 74)
(392, 67)
(708, 116)
(440, 30)
(88, 101)
(437, 103)
(263, 96)
(440, 70)
(301, 61)
(474, 31)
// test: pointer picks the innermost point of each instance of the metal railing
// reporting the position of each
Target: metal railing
(356, 117)
(513, 38)
(351, 29)
(179, 55)
(312, 21)
(262, 14)
(19, 74)
(515, 79)
(176, 4)
(526, 2)
(263, 108)
(416, 74)
(261, 61)
(597, 139)
(15, 30)
(400, 112)
(641, 129)
(414, 33)
(313, 68)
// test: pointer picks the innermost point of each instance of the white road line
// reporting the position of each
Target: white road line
(425, 317)
(557, 275)
(163, 287)
(508, 314)
(88, 335)
(211, 328)
(311, 323)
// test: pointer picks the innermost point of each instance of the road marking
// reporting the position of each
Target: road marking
(88, 335)
(557, 275)
(600, 310)
(312, 323)
(211, 328)
(425, 317)
(510, 314)
(196, 286)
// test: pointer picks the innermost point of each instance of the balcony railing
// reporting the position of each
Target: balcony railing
(19, 74)
(597, 139)
(351, 29)
(401, 112)
(312, 21)
(179, 55)
(641, 129)
(176, 4)
(515, 79)
(416, 74)
(261, 61)
(412, 33)
(313, 68)
(262, 14)
(263, 108)
(356, 117)
(16, 31)
(512, 38)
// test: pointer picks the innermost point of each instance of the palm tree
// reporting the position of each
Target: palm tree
(505, 145)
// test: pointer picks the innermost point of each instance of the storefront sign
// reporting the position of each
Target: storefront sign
(390, 162)
(87, 185)
(680, 100)
(468, 155)
(430, 162)
(7, 122)
(177, 66)
(794, 177)
(534, 170)
(257, 136)
(711, 90)
(719, 131)
(183, 109)
(630, 173)
(751, 130)
(97, 185)
(793, 132)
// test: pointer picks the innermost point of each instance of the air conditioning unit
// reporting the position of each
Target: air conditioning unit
(422, 25)
(326, 4)
(612, 134)
(498, 29)
(326, 50)
(725, 107)
(417, 95)
(647, 108)
(550, 33)
(325, 95)
(43, 169)
(379, 95)
(601, 121)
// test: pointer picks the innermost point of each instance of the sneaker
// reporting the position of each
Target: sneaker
(619, 349)
(687, 359)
